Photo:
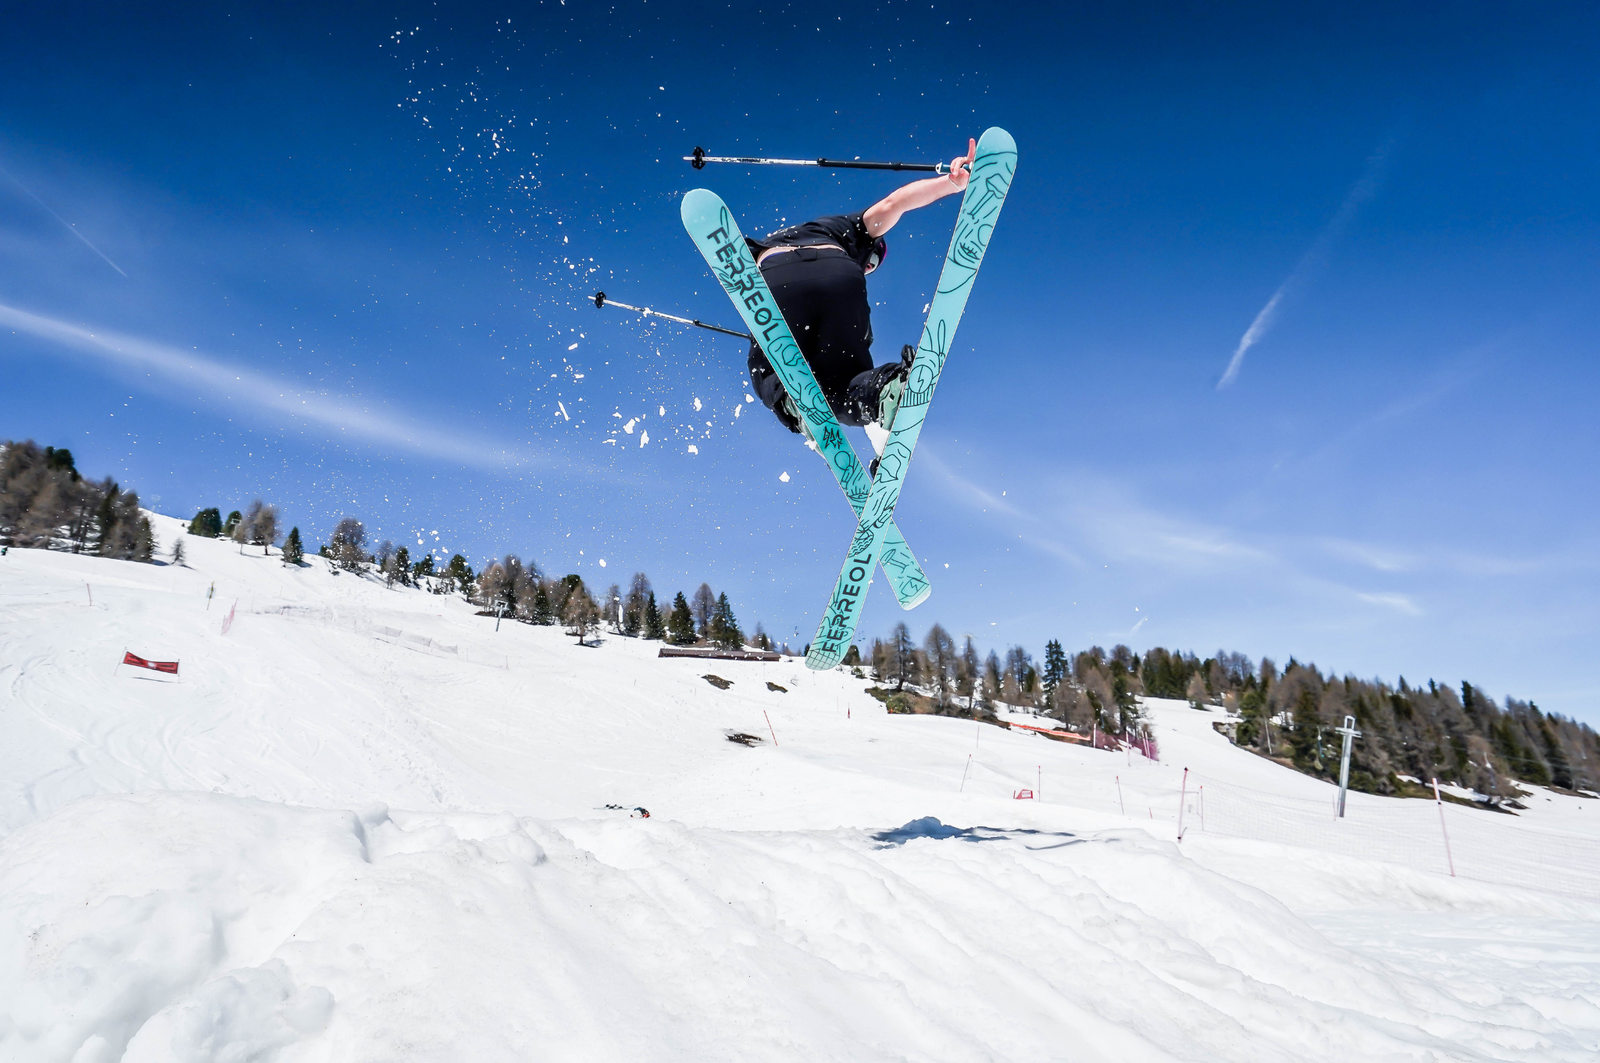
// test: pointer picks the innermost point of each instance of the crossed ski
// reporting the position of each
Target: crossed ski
(992, 170)
(711, 225)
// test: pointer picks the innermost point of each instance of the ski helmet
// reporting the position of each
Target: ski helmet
(879, 252)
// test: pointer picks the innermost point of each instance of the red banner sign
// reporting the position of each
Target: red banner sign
(170, 667)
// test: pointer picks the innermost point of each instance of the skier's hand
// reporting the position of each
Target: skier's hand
(961, 166)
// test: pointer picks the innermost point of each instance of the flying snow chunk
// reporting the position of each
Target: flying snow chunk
(644, 437)
(693, 449)
(784, 477)
(737, 410)
(573, 347)
(602, 562)
(563, 408)
(697, 405)
(749, 398)
(661, 411)
(628, 428)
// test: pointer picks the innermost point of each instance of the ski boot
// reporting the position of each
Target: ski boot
(890, 381)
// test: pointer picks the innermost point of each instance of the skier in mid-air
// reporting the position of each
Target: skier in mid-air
(817, 272)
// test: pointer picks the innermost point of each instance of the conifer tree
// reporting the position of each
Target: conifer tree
(633, 605)
(543, 613)
(177, 552)
(680, 623)
(1055, 671)
(293, 549)
(654, 623)
(207, 523)
(461, 574)
(722, 627)
(232, 522)
(145, 546)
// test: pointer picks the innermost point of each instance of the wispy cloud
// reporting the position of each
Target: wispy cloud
(1398, 602)
(1363, 190)
(347, 419)
(71, 228)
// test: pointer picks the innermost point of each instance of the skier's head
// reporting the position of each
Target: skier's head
(880, 251)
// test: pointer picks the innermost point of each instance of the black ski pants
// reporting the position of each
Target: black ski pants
(823, 295)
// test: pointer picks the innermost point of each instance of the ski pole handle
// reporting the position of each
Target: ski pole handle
(600, 300)
(699, 159)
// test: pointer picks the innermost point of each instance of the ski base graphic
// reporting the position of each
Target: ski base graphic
(710, 224)
(992, 171)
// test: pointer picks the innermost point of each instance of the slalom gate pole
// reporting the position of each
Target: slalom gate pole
(601, 299)
(770, 730)
(962, 788)
(699, 159)
(1183, 799)
(1448, 859)
(1120, 803)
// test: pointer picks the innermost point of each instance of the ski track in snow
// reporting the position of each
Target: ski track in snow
(321, 844)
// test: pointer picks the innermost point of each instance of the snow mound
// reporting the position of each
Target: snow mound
(229, 928)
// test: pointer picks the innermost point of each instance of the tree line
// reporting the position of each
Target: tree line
(1408, 732)
(511, 588)
(46, 504)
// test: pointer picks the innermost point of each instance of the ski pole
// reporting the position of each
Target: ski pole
(699, 159)
(601, 300)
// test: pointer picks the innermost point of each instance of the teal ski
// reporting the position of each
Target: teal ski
(992, 170)
(717, 235)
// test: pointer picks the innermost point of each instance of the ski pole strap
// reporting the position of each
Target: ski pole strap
(601, 300)
(699, 159)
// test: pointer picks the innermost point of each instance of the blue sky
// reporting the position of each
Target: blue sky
(338, 260)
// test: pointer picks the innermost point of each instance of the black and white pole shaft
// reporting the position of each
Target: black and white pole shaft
(1350, 733)
(699, 159)
(602, 300)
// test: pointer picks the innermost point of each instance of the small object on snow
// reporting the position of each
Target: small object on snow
(743, 739)
(718, 682)
(1023, 795)
(721, 655)
(773, 686)
(170, 667)
(633, 813)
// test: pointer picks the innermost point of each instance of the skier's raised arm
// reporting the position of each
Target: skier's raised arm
(882, 215)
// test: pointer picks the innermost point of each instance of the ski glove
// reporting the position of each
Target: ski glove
(787, 412)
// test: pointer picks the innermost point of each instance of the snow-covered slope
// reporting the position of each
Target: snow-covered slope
(361, 824)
